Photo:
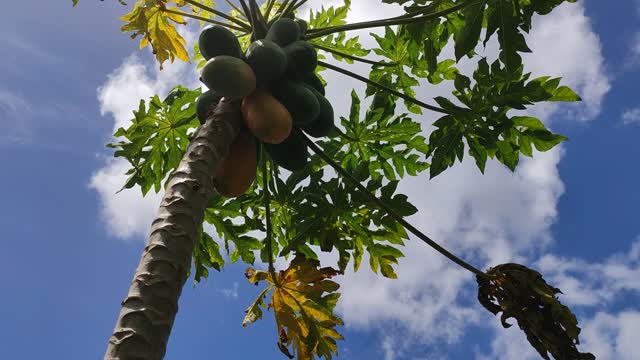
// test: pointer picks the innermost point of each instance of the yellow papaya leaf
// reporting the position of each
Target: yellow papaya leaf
(254, 312)
(303, 299)
(157, 28)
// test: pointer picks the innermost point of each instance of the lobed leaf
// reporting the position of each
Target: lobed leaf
(157, 138)
(157, 28)
(303, 298)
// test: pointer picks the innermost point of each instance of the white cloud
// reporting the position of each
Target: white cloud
(631, 116)
(594, 284)
(607, 336)
(613, 336)
(508, 343)
(127, 213)
(135, 80)
(387, 346)
(564, 44)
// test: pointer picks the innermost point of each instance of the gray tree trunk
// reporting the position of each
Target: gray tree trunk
(149, 309)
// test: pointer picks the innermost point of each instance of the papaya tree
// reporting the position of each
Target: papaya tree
(240, 158)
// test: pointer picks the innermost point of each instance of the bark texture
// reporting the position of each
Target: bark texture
(149, 309)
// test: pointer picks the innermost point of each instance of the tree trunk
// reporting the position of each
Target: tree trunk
(147, 314)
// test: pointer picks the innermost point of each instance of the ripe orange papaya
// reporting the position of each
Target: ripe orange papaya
(237, 171)
(266, 117)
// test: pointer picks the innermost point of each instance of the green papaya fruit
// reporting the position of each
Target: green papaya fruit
(303, 27)
(268, 61)
(216, 40)
(292, 154)
(302, 58)
(204, 104)
(228, 76)
(324, 123)
(314, 81)
(301, 103)
(283, 32)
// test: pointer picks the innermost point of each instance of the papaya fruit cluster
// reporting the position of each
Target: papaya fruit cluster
(276, 80)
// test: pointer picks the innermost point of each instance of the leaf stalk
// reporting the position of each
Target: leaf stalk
(315, 33)
(267, 208)
(236, 8)
(354, 58)
(196, 17)
(383, 87)
(244, 26)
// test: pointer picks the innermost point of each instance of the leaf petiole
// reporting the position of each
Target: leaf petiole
(244, 25)
(267, 208)
(196, 17)
(247, 11)
(236, 8)
(315, 33)
(354, 58)
(383, 87)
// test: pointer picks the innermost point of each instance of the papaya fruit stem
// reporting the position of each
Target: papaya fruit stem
(196, 17)
(354, 58)
(384, 88)
(267, 209)
(344, 173)
(319, 32)
(243, 25)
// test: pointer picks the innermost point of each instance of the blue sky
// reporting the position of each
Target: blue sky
(70, 244)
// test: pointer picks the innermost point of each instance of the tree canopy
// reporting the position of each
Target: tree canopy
(346, 199)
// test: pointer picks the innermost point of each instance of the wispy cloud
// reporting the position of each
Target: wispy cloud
(14, 43)
(14, 110)
(232, 292)
(23, 121)
(631, 116)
